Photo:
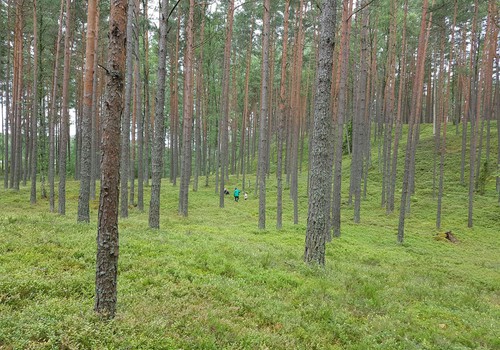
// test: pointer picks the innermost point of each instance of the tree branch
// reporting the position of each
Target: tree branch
(357, 10)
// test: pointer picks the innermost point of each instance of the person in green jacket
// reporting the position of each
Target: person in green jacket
(236, 194)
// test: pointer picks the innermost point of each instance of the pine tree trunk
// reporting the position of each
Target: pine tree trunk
(295, 102)
(318, 219)
(140, 118)
(107, 231)
(174, 110)
(52, 115)
(86, 158)
(16, 123)
(263, 116)
(475, 86)
(497, 117)
(34, 117)
(199, 105)
(414, 115)
(399, 126)
(281, 122)
(8, 109)
(446, 84)
(63, 145)
(147, 118)
(94, 143)
(390, 87)
(358, 122)
(127, 111)
(245, 116)
(187, 115)
(224, 118)
(159, 123)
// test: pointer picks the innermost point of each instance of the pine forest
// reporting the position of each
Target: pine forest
(239, 174)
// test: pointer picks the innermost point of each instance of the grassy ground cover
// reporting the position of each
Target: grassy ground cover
(214, 281)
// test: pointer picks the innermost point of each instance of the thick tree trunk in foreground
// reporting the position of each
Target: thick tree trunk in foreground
(159, 123)
(318, 222)
(107, 231)
(86, 158)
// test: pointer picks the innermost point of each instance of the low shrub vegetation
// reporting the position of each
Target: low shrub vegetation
(214, 281)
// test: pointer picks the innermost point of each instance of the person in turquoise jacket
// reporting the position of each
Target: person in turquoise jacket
(236, 194)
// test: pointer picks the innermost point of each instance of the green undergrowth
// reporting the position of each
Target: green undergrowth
(213, 280)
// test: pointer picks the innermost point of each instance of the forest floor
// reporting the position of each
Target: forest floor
(213, 280)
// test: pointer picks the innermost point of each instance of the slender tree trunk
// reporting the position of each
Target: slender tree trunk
(318, 219)
(296, 114)
(358, 122)
(94, 143)
(490, 48)
(86, 166)
(340, 115)
(234, 123)
(34, 117)
(497, 117)
(199, 104)
(8, 106)
(475, 85)
(63, 145)
(78, 119)
(281, 122)
(187, 115)
(125, 135)
(466, 106)
(389, 92)
(174, 110)
(133, 127)
(147, 117)
(140, 116)
(399, 125)
(245, 116)
(52, 114)
(446, 84)
(159, 123)
(263, 116)
(16, 155)
(107, 229)
(225, 104)
(415, 113)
